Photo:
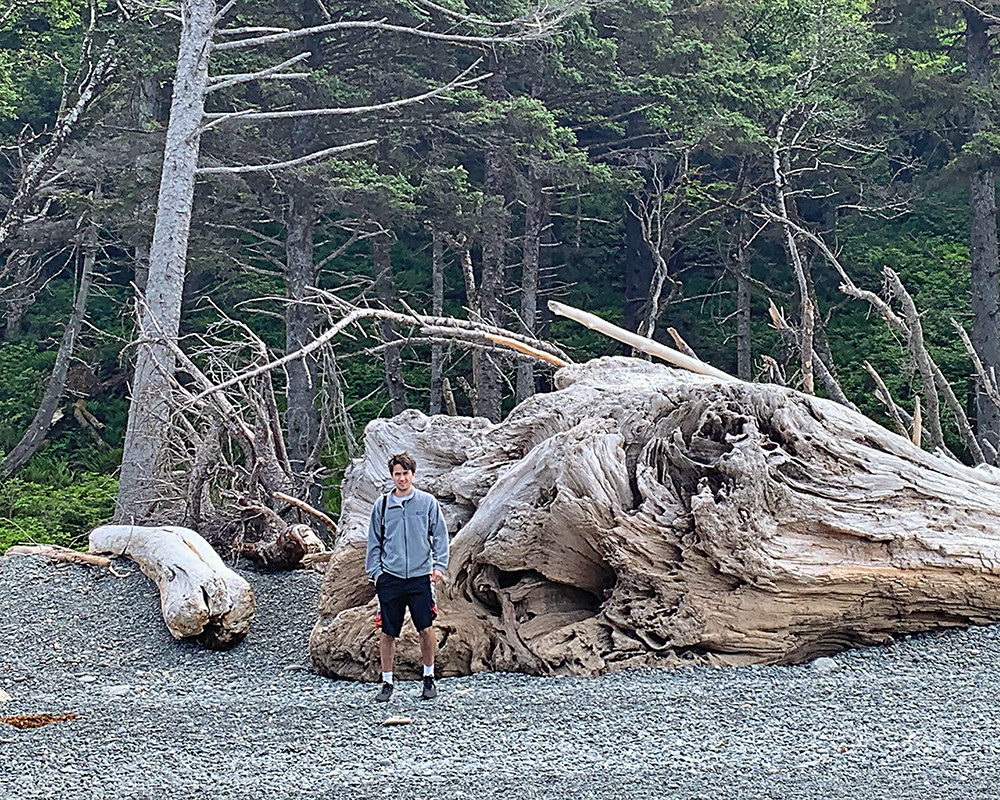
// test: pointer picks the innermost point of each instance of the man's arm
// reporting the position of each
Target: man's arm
(439, 538)
(373, 557)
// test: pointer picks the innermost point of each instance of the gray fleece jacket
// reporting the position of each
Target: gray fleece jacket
(416, 539)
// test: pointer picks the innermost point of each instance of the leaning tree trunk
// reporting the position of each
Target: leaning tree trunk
(643, 515)
(149, 411)
(983, 250)
(784, 205)
(42, 421)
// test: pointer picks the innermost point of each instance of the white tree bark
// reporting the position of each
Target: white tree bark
(200, 596)
(642, 515)
(149, 411)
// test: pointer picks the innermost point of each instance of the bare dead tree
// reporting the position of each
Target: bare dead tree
(224, 425)
(145, 440)
(39, 426)
(92, 76)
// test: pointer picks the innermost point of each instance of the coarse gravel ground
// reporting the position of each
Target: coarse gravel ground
(159, 718)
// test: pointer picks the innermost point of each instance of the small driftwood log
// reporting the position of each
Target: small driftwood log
(642, 515)
(61, 554)
(201, 598)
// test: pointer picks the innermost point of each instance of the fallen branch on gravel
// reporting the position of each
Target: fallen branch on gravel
(201, 598)
(57, 553)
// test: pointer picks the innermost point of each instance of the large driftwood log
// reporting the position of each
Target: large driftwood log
(200, 596)
(643, 515)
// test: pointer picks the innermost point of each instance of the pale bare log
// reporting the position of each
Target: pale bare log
(637, 342)
(201, 598)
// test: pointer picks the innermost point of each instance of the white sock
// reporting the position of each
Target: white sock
(386, 677)
(428, 671)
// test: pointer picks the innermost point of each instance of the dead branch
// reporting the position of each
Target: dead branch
(883, 394)
(833, 387)
(295, 162)
(225, 81)
(681, 345)
(453, 328)
(527, 350)
(459, 82)
(542, 28)
(921, 356)
(61, 554)
(987, 380)
(302, 504)
(638, 342)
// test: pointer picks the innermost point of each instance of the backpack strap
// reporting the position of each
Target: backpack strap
(381, 533)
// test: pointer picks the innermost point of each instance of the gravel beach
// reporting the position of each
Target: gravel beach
(161, 718)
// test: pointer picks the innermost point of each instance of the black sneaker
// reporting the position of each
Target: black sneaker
(430, 690)
(385, 694)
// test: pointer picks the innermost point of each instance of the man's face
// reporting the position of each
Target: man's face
(402, 478)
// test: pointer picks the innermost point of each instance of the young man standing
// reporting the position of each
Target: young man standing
(407, 549)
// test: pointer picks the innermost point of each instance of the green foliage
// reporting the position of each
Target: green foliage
(55, 513)
(23, 374)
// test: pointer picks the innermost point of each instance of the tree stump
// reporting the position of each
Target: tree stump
(642, 515)
(201, 598)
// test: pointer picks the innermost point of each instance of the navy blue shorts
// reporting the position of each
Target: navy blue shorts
(395, 595)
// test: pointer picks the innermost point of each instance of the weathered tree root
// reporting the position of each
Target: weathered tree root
(641, 515)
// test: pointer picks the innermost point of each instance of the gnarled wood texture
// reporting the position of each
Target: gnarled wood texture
(643, 515)
(200, 596)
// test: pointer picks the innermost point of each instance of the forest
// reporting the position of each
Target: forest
(234, 234)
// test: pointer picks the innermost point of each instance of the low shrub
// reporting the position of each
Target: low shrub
(41, 513)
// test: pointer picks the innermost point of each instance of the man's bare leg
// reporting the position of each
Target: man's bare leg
(387, 651)
(428, 644)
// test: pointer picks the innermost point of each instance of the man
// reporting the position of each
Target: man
(407, 549)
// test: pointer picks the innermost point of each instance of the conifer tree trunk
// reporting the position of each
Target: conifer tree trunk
(437, 304)
(488, 388)
(535, 218)
(983, 244)
(494, 231)
(149, 412)
(301, 415)
(382, 260)
(744, 357)
(17, 298)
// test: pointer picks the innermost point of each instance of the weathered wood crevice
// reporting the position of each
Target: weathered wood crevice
(641, 515)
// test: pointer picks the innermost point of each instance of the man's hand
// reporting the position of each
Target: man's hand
(437, 576)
